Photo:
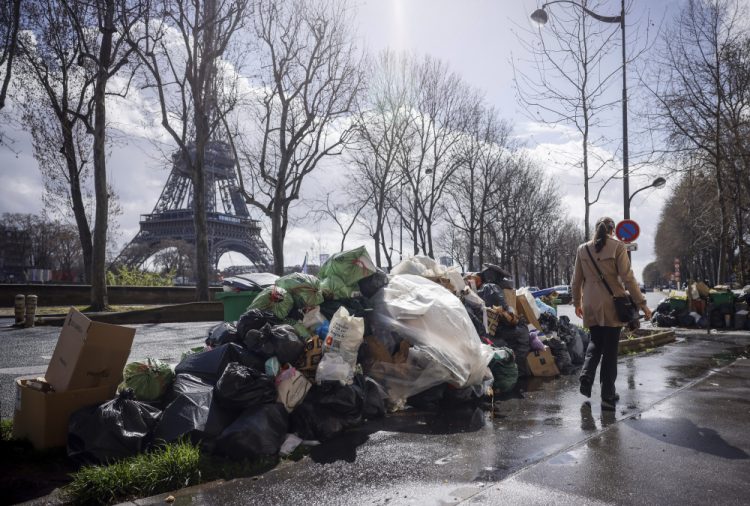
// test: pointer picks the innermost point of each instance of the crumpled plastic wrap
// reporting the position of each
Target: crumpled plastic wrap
(444, 346)
(427, 267)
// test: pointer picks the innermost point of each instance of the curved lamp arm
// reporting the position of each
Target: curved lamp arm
(543, 19)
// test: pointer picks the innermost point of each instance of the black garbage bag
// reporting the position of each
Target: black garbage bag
(492, 295)
(223, 333)
(280, 341)
(193, 412)
(562, 356)
(476, 317)
(454, 397)
(375, 396)
(576, 349)
(310, 421)
(495, 274)
(429, 399)
(357, 306)
(119, 428)
(664, 320)
(548, 322)
(517, 339)
(255, 319)
(346, 401)
(370, 285)
(685, 320)
(241, 387)
(258, 431)
(210, 365)
(664, 307)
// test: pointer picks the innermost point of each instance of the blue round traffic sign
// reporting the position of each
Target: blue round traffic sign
(627, 230)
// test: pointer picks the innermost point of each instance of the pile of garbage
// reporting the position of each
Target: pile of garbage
(315, 355)
(702, 307)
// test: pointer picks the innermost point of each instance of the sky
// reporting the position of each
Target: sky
(477, 38)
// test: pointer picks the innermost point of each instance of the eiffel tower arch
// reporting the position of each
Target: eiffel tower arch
(230, 227)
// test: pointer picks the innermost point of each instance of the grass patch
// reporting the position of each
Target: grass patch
(169, 468)
(6, 429)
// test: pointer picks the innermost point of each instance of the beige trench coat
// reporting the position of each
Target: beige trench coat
(590, 293)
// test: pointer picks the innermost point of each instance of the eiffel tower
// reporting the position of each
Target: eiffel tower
(230, 227)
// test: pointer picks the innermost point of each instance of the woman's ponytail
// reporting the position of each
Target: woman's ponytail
(604, 227)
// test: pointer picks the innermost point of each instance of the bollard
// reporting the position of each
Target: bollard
(20, 308)
(30, 310)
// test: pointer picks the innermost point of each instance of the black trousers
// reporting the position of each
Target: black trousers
(603, 346)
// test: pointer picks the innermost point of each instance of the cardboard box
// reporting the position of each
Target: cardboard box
(542, 363)
(42, 418)
(524, 309)
(88, 354)
(510, 297)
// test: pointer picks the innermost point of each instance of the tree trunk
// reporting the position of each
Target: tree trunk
(79, 209)
(98, 265)
(277, 241)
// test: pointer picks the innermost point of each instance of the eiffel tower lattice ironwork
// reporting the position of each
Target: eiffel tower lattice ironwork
(230, 227)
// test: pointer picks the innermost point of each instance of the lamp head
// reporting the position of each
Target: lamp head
(540, 17)
(659, 182)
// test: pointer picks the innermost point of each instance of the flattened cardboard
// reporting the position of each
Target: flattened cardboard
(42, 418)
(542, 363)
(88, 354)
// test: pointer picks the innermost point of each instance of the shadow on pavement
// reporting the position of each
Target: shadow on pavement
(683, 432)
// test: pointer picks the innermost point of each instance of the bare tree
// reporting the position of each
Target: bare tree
(10, 17)
(481, 155)
(103, 50)
(691, 88)
(55, 108)
(343, 211)
(442, 104)
(309, 78)
(183, 46)
(382, 127)
(570, 84)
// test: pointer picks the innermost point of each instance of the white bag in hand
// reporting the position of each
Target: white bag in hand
(345, 335)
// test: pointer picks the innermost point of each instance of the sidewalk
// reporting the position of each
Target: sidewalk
(679, 435)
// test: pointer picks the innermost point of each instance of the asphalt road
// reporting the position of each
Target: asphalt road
(26, 352)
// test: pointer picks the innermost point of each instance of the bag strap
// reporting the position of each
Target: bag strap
(601, 276)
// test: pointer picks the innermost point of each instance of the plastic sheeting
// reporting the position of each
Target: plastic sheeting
(445, 347)
(427, 267)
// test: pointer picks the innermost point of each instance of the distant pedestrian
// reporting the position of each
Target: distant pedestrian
(594, 304)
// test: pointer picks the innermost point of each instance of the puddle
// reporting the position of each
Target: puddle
(492, 473)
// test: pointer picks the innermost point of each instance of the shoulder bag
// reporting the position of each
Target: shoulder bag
(626, 310)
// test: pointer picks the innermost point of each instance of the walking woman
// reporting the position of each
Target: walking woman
(594, 304)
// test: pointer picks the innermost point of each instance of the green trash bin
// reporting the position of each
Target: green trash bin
(235, 303)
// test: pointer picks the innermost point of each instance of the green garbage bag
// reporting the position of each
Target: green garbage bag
(299, 329)
(305, 289)
(275, 300)
(350, 266)
(149, 380)
(504, 370)
(333, 287)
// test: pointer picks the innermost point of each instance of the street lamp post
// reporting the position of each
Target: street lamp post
(540, 16)
(656, 183)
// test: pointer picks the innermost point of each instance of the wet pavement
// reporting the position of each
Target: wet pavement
(679, 435)
(26, 352)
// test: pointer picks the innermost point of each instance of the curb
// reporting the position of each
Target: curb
(174, 313)
(642, 343)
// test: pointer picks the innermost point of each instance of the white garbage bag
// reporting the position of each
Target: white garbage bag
(444, 346)
(345, 335)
